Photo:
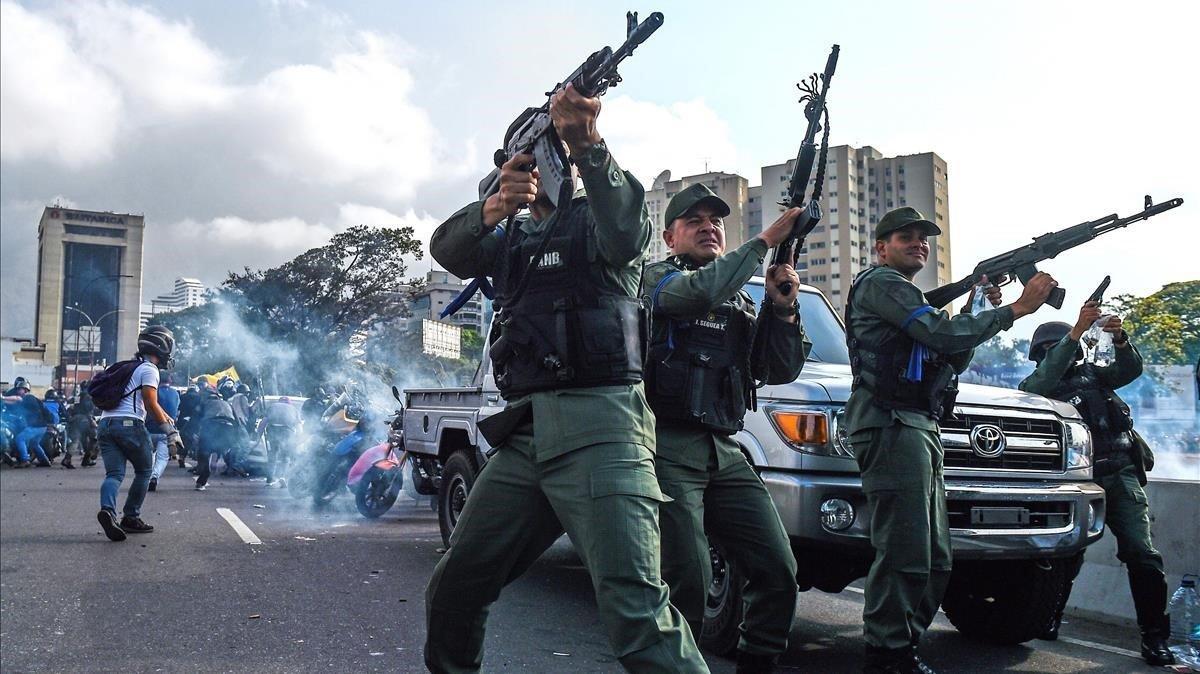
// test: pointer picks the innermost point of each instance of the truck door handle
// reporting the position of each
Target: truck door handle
(493, 398)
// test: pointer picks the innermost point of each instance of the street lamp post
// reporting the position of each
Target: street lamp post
(91, 351)
(61, 355)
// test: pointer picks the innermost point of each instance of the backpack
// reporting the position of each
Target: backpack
(108, 388)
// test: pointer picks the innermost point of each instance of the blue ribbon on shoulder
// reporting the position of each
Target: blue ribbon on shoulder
(478, 284)
(916, 359)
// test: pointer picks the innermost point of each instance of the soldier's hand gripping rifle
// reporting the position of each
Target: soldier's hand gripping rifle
(533, 132)
(1022, 262)
(814, 90)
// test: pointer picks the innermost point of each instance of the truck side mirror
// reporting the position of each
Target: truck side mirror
(395, 393)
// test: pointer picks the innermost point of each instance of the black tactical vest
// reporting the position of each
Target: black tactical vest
(1106, 415)
(698, 371)
(555, 327)
(887, 364)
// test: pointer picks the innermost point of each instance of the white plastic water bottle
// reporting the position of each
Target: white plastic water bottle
(980, 301)
(1103, 351)
(1184, 610)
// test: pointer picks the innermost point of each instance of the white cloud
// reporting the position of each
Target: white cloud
(684, 137)
(350, 123)
(43, 82)
(162, 66)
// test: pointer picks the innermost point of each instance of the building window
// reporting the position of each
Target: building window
(85, 230)
(900, 170)
(940, 216)
(833, 194)
(890, 204)
(901, 184)
(833, 210)
(870, 171)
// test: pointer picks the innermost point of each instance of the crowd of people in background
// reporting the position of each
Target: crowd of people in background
(220, 425)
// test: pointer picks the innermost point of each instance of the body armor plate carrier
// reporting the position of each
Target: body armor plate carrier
(700, 371)
(1106, 415)
(932, 394)
(556, 328)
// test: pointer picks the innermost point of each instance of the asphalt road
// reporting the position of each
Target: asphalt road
(332, 591)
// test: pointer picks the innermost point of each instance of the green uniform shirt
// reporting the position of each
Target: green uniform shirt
(883, 301)
(1060, 358)
(693, 293)
(567, 419)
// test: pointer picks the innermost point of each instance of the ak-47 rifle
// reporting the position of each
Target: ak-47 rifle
(1022, 262)
(814, 89)
(533, 132)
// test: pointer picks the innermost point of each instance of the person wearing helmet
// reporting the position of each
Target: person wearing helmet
(1121, 458)
(125, 434)
(168, 399)
(81, 431)
(53, 402)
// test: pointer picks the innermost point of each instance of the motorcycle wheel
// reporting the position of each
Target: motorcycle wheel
(332, 481)
(299, 481)
(375, 494)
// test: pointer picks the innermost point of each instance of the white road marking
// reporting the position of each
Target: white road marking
(1101, 647)
(239, 526)
(1070, 640)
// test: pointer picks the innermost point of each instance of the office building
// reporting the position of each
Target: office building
(440, 289)
(188, 292)
(89, 286)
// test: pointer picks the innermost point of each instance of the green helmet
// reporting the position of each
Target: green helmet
(1046, 335)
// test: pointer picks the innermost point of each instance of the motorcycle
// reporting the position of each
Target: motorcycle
(378, 475)
(306, 465)
(334, 467)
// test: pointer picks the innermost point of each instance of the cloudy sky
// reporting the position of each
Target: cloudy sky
(249, 132)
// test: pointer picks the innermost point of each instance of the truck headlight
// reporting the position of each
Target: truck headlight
(812, 429)
(1078, 441)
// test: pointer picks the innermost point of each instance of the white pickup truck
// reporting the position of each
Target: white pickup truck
(1021, 502)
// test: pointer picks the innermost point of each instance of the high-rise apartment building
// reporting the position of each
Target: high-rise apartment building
(732, 188)
(188, 292)
(860, 186)
(89, 282)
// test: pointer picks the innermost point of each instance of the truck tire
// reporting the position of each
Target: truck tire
(723, 607)
(1005, 602)
(458, 475)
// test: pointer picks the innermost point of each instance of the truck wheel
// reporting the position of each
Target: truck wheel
(1005, 602)
(458, 475)
(723, 606)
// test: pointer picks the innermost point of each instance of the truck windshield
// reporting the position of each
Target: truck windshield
(820, 325)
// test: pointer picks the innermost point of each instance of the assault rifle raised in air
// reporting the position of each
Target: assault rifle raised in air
(814, 89)
(1022, 262)
(533, 133)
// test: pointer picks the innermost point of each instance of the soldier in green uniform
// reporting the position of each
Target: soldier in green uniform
(906, 356)
(1120, 459)
(700, 379)
(575, 442)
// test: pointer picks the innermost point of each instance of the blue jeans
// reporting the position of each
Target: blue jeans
(125, 439)
(162, 454)
(31, 434)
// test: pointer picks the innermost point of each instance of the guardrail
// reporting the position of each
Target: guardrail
(1102, 589)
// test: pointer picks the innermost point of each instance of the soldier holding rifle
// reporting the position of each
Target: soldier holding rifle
(906, 356)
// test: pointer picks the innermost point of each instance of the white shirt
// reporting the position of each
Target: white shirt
(132, 405)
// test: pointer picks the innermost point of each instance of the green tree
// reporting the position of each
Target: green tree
(1166, 325)
(326, 298)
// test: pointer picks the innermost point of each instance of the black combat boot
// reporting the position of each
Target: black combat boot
(753, 663)
(890, 661)
(1154, 643)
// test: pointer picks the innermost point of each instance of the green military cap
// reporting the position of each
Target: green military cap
(693, 196)
(903, 217)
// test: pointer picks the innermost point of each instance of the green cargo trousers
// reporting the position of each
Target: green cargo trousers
(606, 498)
(1127, 516)
(910, 531)
(733, 507)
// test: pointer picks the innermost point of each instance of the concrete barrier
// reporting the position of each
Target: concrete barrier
(1102, 589)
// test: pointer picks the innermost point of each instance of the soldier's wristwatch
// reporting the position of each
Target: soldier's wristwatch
(594, 156)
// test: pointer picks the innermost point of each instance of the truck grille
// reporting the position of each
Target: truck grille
(1008, 514)
(1032, 443)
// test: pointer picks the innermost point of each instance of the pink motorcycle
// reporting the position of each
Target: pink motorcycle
(378, 475)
